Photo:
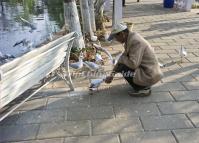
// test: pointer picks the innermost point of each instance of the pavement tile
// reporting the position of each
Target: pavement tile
(32, 117)
(178, 78)
(117, 125)
(57, 140)
(55, 92)
(93, 139)
(187, 135)
(136, 110)
(191, 85)
(18, 132)
(193, 59)
(186, 95)
(178, 107)
(64, 129)
(167, 51)
(11, 119)
(148, 137)
(168, 87)
(165, 122)
(33, 104)
(196, 76)
(153, 98)
(194, 118)
(84, 113)
(76, 101)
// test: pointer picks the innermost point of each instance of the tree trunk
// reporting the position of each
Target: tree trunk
(99, 10)
(117, 12)
(92, 14)
(72, 20)
(86, 21)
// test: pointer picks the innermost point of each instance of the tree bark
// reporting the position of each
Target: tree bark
(86, 21)
(92, 14)
(72, 20)
(117, 12)
(99, 10)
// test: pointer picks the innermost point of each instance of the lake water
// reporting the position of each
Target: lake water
(46, 16)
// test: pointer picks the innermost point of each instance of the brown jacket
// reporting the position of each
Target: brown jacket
(140, 56)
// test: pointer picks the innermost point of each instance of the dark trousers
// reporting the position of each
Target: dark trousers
(128, 74)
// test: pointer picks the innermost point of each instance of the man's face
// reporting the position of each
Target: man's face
(120, 37)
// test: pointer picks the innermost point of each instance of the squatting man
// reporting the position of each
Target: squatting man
(138, 58)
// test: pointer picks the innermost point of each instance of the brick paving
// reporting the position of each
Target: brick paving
(169, 115)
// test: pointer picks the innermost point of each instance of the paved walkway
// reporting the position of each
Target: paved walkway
(169, 115)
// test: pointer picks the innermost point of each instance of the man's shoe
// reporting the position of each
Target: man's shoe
(140, 93)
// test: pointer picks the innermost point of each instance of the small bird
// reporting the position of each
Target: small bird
(79, 64)
(98, 47)
(91, 65)
(115, 60)
(95, 83)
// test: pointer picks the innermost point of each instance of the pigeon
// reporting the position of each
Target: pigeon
(95, 83)
(91, 65)
(79, 64)
(28, 23)
(98, 57)
(115, 60)
(98, 47)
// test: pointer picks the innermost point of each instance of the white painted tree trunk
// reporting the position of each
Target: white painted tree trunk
(92, 14)
(86, 21)
(72, 20)
(99, 11)
(117, 12)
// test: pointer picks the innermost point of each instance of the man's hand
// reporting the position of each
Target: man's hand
(109, 79)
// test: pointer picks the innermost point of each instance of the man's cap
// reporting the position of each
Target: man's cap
(116, 29)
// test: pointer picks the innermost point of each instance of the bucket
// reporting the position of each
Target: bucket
(168, 3)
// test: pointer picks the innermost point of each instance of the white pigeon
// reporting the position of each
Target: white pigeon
(79, 64)
(115, 60)
(182, 52)
(98, 57)
(98, 47)
(95, 83)
(91, 65)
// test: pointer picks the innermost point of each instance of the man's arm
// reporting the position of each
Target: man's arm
(134, 57)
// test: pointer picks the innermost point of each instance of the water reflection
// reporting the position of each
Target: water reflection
(45, 15)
